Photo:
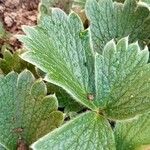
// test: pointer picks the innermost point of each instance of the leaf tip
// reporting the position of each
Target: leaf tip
(110, 45)
(24, 28)
(146, 48)
(26, 73)
(33, 146)
(126, 39)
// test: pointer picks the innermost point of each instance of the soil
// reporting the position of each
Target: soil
(15, 13)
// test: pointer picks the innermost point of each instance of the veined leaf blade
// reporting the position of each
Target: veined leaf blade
(88, 131)
(122, 80)
(113, 20)
(60, 47)
(133, 134)
(26, 112)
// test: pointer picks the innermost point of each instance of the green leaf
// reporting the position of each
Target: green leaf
(60, 47)
(45, 6)
(2, 148)
(66, 102)
(64, 99)
(2, 30)
(146, 1)
(122, 72)
(132, 134)
(12, 62)
(81, 3)
(123, 80)
(26, 112)
(115, 20)
(88, 131)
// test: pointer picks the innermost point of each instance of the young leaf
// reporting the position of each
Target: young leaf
(122, 80)
(60, 47)
(26, 112)
(12, 62)
(132, 134)
(45, 6)
(116, 20)
(88, 131)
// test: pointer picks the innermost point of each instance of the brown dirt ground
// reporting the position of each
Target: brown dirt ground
(15, 13)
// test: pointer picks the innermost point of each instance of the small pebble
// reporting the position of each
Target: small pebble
(2, 9)
(9, 21)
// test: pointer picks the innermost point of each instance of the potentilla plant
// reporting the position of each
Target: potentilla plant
(103, 68)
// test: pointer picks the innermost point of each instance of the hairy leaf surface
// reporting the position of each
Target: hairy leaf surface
(123, 80)
(112, 20)
(65, 101)
(88, 131)
(26, 113)
(121, 73)
(132, 134)
(60, 47)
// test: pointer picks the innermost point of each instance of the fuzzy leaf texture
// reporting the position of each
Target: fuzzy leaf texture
(88, 131)
(60, 47)
(112, 20)
(65, 101)
(123, 80)
(133, 134)
(121, 73)
(26, 112)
